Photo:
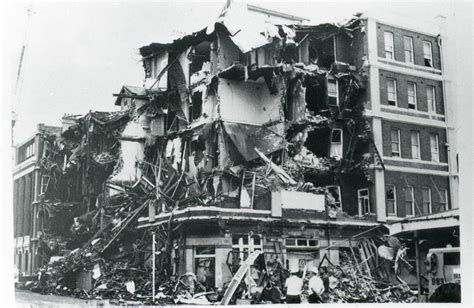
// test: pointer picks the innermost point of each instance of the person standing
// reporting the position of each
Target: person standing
(315, 286)
(294, 286)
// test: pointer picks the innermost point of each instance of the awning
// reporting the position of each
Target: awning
(433, 221)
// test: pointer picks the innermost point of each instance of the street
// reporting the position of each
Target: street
(29, 299)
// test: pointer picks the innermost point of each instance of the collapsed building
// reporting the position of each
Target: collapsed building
(242, 138)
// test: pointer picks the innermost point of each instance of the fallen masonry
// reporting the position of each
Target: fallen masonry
(221, 175)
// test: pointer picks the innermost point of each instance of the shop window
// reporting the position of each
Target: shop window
(391, 199)
(241, 245)
(205, 265)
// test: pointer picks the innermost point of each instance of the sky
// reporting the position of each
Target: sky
(78, 53)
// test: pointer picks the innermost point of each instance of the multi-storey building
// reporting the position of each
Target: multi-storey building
(26, 191)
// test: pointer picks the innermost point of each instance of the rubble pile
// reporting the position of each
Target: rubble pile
(345, 284)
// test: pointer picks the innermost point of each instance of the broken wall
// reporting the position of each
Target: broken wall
(248, 102)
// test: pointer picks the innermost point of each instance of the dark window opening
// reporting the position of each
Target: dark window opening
(200, 53)
(322, 52)
(195, 108)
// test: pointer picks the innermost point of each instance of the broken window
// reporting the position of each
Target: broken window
(44, 183)
(332, 86)
(205, 265)
(391, 91)
(409, 201)
(391, 198)
(364, 201)
(395, 140)
(434, 145)
(408, 46)
(415, 145)
(247, 189)
(431, 98)
(412, 95)
(195, 108)
(335, 192)
(426, 194)
(388, 39)
(241, 245)
(427, 54)
(200, 53)
(336, 143)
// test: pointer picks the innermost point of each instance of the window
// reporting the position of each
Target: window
(388, 39)
(431, 99)
(364, 201)
(408, 44)
(335, 192)
(26, 151)
(443, 200)
(301, 243)
(391, 92)
(412, 95)
(395, 138)
(336, 143)
(391, 196)
(434, 144)
(415, 145)
(409, 201)
(333, 92)
(205, 265)
(426, 194)
(241, 245)
(427, 54)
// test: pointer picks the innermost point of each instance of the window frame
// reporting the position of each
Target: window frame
(418, 150)
(337, 145)
(394, 200)
(389, 46)
(412, 61)
(398, 142)
(306, 247)
(338, 192)
(430, 203)
(434, 151)
(361, 207)
(414, 104)
(412, 190)
(332, 93)
(432, 105)
(430, 58)
(446, 201)
(395, 96)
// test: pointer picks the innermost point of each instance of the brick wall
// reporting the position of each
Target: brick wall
(418, 181)
(402, 91)
(405, 138)
(398, 45)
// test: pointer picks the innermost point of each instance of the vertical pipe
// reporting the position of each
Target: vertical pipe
(153, 266)
(418, 264)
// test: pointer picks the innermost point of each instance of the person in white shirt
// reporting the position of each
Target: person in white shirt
(294, 286)
(315, 286)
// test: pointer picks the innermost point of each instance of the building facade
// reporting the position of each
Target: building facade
(26, 191)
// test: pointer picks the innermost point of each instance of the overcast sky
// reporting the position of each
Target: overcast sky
(80, 52)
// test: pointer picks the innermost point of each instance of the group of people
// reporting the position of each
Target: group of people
(294, 287)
